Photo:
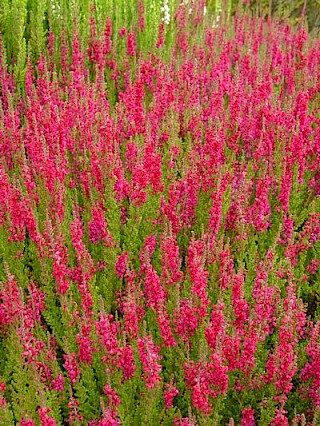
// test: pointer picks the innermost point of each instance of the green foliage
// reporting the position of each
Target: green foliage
(294, 11)
(88, 393)
(23, 384)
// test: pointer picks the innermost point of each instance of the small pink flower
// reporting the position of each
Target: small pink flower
(27, 422)
(248, 417)
(131, 45)
(45, 420)
(149, 356)
(71, 365)
(58, 383)
(121, 264)
(313, 266)
(280, 419)
(169, 394)
(112, 395)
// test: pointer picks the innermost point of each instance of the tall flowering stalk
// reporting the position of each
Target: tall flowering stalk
(282, 363)
(149, 356)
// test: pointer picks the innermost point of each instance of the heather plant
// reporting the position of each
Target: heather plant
(25, 25)
(159, 216)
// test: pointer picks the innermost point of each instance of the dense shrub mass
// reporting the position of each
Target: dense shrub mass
(160, 226)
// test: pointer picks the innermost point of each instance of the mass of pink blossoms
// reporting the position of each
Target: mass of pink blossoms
(160, 228)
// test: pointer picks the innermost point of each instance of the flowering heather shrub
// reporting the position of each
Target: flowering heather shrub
(160, 227)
